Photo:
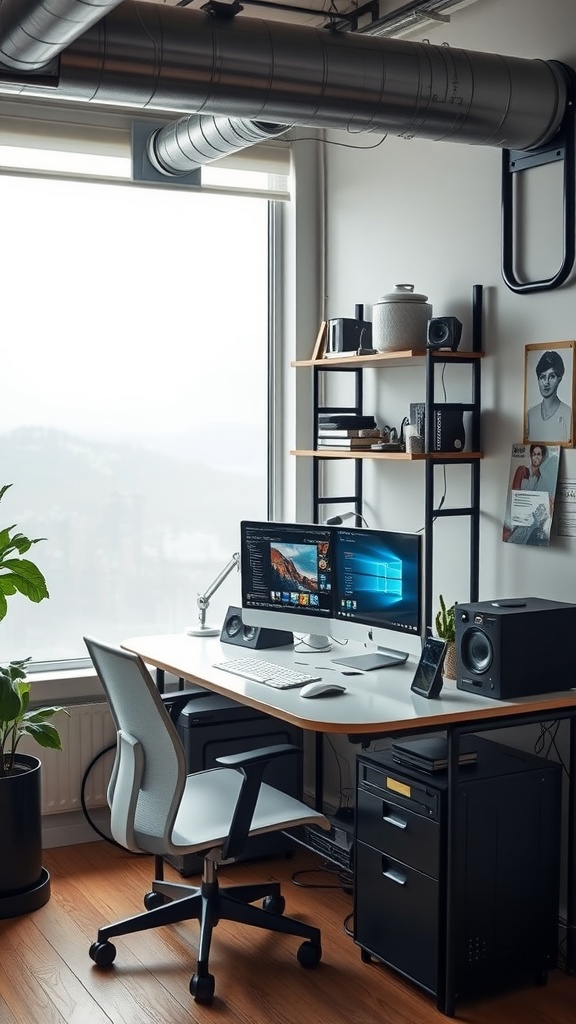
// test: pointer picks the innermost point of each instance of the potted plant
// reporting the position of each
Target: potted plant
(446, 630)
(24, 883)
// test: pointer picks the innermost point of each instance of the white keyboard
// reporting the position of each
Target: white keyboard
(266, 672)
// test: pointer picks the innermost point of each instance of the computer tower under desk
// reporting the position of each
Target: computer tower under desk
(507, 869)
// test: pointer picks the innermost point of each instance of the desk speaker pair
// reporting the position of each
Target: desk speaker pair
(255, 638)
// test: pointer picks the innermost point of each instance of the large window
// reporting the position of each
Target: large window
(133, 418)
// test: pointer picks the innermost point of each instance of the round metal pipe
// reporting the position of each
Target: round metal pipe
(189, 143)
(175, 61)
(33, 32)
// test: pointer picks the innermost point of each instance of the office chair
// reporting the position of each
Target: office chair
(156, 808)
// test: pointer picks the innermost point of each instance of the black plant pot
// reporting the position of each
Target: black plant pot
(24, 883)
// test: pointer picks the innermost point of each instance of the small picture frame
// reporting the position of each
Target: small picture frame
(549, 393)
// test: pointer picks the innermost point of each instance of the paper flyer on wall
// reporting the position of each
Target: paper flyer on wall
(565, 509)
(532, 483)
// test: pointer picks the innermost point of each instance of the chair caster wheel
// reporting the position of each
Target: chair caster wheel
(274, 904)
(202, 987)
(102, 953)
(365, 956)
(309, 955)
(153, 900)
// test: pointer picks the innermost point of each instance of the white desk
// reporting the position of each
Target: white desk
(375, 702)
(378, 703)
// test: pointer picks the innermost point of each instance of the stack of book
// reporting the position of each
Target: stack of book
(431, 754)
(347, 431)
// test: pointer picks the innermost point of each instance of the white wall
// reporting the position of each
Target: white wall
(429, 213)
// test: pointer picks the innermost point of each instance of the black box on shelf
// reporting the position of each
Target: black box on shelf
(452, 429)
(346, 336)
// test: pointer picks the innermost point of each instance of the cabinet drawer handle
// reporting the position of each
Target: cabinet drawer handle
(394, 876)
(393, 819)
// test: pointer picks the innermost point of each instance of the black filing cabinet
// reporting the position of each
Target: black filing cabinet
(507, 869)
(211, 726)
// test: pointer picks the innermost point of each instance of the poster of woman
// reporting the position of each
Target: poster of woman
(549, 393)
(532, 483)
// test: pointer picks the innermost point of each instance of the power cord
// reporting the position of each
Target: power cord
(546, 744)
(344, 883)
(89, 819)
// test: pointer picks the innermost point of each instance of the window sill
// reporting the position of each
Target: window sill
(73, 686)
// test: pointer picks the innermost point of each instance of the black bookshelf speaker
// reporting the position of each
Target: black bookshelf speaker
(515, 647)
(256, 638)
(444, 332)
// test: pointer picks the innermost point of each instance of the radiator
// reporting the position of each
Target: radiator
(85, 731)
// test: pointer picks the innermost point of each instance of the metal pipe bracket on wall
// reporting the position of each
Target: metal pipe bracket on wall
(561, 147)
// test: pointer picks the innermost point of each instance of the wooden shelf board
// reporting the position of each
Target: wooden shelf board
(381, 359)
(332, 453)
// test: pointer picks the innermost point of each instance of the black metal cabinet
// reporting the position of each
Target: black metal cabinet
(507, 870)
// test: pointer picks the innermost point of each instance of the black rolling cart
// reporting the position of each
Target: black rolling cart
(503, 926)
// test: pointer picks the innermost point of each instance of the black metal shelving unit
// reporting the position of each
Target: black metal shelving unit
(433, 509)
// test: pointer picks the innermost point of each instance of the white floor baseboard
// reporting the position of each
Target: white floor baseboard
(71, 827)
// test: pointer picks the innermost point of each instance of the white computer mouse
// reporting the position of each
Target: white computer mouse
(322, 689)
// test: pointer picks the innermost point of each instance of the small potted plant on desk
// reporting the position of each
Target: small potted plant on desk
(446, 630)
(24, 883)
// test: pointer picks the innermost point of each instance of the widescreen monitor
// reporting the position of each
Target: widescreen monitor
(286, 576)
(377, 590)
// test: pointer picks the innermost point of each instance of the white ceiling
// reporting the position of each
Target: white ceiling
(314, 13)
(389, 17)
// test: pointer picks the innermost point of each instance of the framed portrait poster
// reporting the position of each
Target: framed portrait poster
(549, 393)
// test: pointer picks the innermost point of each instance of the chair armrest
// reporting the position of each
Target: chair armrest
(252, 764)
(261, 754)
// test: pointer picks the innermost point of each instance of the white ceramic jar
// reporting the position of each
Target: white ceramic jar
(400, 320)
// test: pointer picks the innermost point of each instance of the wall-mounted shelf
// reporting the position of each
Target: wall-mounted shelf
(431, 359)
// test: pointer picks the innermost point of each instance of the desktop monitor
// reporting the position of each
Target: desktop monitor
(377, 590)
(286, 576)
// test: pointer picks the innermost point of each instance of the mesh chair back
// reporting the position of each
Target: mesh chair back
(144, 724)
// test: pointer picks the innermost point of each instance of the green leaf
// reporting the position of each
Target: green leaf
(10, 700)
(44, 734)
(40, 714)
(26, 578)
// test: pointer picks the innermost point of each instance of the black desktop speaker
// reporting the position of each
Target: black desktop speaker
(515, 647)
(257, 638)
(444, 332)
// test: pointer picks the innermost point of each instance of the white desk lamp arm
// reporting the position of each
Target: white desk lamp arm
(203, 600)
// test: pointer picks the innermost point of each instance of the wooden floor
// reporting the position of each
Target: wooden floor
(46, 976)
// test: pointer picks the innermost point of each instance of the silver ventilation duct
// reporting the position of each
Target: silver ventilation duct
(187, 144)
(33, 32)
(174, 61)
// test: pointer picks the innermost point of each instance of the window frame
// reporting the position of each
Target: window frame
(75, 679)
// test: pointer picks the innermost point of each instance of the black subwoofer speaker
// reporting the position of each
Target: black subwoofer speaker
(235, 631)
(515, 647)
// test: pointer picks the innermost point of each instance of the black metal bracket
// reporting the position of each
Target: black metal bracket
(561, 147)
